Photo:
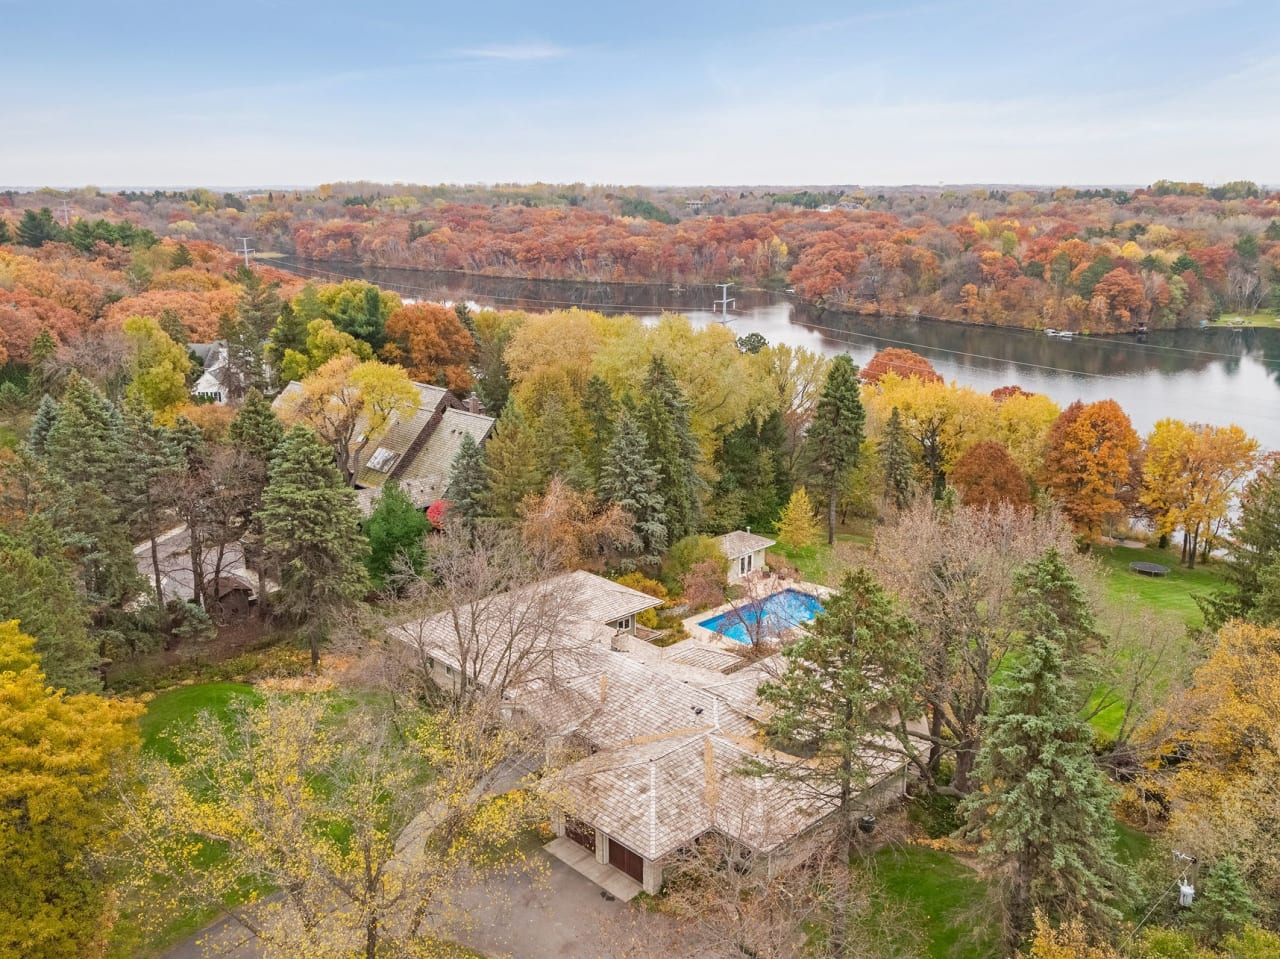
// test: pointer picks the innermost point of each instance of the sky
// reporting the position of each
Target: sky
(866, 92)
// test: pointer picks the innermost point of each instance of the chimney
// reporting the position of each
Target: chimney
(748, 530)
(473, 404)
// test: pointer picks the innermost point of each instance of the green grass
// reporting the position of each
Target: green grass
(931, 904)
(1267, 320)
(171, 710)
(819, 564)
(1173, 593)
(1132, 846)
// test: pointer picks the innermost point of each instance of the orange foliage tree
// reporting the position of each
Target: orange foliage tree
(431, 342)
(1089, 463)
(987, 476)
(903, 362)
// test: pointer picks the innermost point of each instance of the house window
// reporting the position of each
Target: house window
(746, 563)
(624, 624)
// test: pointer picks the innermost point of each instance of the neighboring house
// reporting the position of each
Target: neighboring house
(214, 385)
(418, 449)
(237, 586)
(745, 552)
(649, 743)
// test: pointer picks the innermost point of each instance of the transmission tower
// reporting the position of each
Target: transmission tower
(244, 243)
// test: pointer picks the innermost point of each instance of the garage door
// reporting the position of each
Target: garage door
(581, 833)
(622, 858)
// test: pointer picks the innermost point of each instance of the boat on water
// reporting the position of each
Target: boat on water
(1066, 334)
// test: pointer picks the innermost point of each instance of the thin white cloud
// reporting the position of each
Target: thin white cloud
(514, 51)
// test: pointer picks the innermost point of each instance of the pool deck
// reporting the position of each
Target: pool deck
(756, 586)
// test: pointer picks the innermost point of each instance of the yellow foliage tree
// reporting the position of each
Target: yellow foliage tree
(350, 405)
(797, 526)
(160, 368)
(56, 755)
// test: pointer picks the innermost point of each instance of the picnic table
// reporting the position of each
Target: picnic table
(1149, 569)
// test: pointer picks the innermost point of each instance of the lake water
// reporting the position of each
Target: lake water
(1216, 376)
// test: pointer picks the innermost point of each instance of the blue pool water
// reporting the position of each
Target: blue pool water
(776, 614)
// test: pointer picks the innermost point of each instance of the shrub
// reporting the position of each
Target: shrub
(650, 587)
(688, 553)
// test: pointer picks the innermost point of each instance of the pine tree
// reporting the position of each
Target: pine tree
(511, 460)
(468, 491)
(6, 236)
(895, 461)
(1253, 556)
(171, 322)
(44, 367)
(629, 479)
(246, 333)
(257, 433)
(181, 257)
(847, 684)
(796, 526)
(835, 435)
(600, 408)
(84, 454)
(672, 449)
(42, 424)
(150, 464)
(558, 451)
(395, 531)
(1050, 602)
(1225, 904)
(1044, 814)
(37, 588)
(311, 532)
(37, 229)
(288, 333)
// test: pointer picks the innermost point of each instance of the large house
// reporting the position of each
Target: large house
(419, 447)
(648, 744)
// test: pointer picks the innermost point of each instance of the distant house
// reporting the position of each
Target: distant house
(214, 385)
(237, 585)
(745, 552)
(648, 743)
(419, 447)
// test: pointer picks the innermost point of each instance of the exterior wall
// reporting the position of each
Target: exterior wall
(629, 629)
(652, 877)
(735, 565)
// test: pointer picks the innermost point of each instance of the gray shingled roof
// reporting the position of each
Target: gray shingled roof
(397, 440)
(740, 543)
(660, 796)
(434, 461)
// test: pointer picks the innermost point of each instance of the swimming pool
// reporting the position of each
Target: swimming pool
(775, 614)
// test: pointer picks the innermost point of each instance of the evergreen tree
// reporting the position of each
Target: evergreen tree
(311, 532)
(288, 333)
(257, 433)
(468, 490)
(37, 229)
(170, 321)
(672, 449)
(835, 435)
(84, 455)
(395, 531)
(44, 367)
(37, 588)
(753, 482)
(1050, 602)
(181, 257)
(1224, 903)
(895, 461)
(1044, 814)
(42, 424)
(631, 480)
(600, 408)
(558, 451)
(846, 689)
(511, 461)
(1253, 556)
(6, 236)
(150, 465)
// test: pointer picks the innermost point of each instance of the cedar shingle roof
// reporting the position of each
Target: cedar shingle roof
(740, 543)
(396, 441)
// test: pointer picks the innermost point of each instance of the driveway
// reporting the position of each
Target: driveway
(557, 915)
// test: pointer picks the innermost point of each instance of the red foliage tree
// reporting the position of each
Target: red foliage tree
(986, 476)
(430, 341)
(903, 362)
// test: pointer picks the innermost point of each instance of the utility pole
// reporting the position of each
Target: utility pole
(726, 302)
(66, 212)
(244, 243)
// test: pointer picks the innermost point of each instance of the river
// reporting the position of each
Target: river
(1214, 375)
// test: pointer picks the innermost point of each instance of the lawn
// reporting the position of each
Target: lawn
(821, 563)
(1267, 320)
(931, 904)
(1173, 593)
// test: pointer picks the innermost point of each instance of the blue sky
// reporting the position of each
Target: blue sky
(290, 92)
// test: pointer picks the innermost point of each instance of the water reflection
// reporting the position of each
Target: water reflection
(1214, 376)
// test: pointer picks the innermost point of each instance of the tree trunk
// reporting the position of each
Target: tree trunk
(1191, 553)
(831, 517)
